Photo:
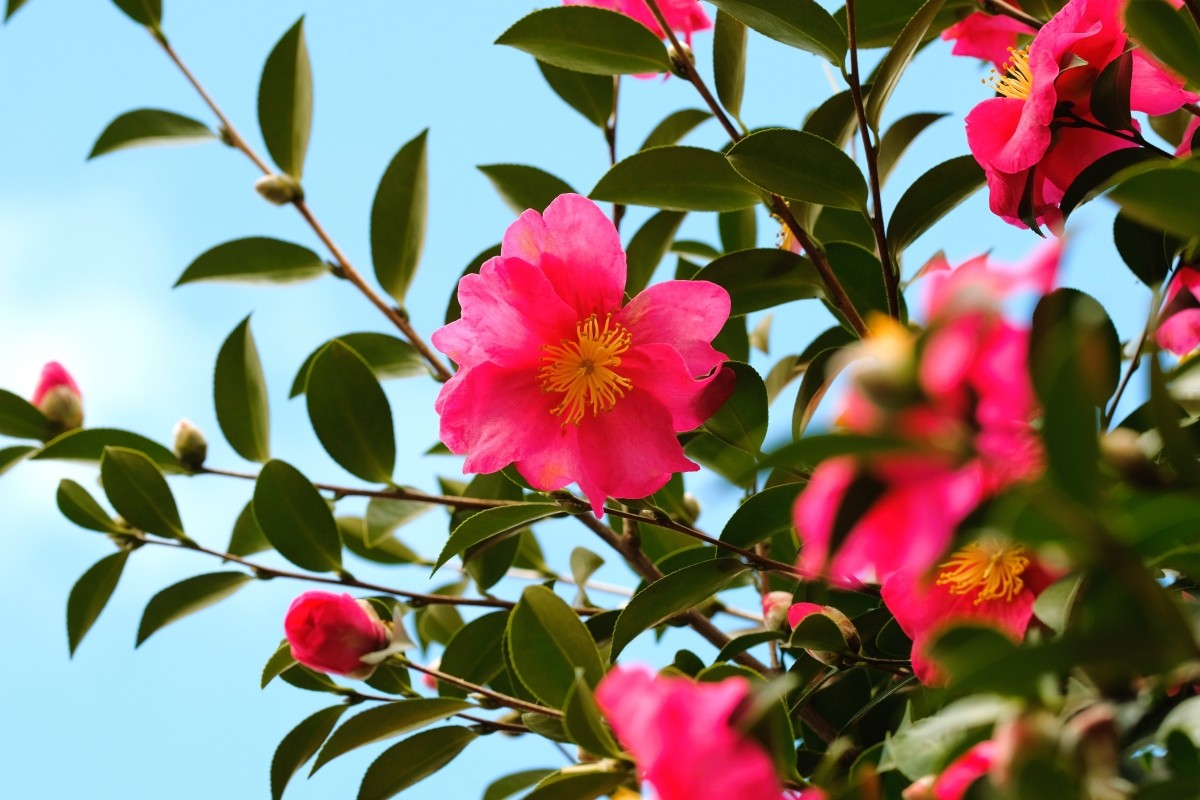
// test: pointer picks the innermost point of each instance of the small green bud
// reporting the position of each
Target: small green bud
(279, 189)
(191, 448)
(678, 66)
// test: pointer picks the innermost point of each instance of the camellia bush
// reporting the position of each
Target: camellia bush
(971, 577)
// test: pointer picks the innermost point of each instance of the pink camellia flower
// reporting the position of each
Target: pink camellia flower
(556, 376)
(682, 738)
(684, 16)
(987, 36)
(58, 397)
(1179, 320)
(1019, 139)
(962, 773)
(987, 582)
(331, 633)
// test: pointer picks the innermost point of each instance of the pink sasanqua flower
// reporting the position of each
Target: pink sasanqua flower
(331, 633)
(557, 377)
(987, 582)
(57, 396)
(1023, 141)
(682, 738)
(1179, 320)
(684, 16)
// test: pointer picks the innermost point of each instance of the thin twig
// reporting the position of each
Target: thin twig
(1008, 10)
(495, 724)
(610, 136)
(514, 703)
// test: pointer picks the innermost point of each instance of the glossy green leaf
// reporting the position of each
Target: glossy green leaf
(295, 519)
(931, 197)
(587, 39)
(590, 95)
(187, 597)
(763, 278)
(386, 721)
(582, 722)
(583, 564)
(844, 225)
(21, 419)
(139, 492)
(729, 62)
(741, 643)
(503, 788)
(285, 101)
(247, 538)
(547, 644)
(648, 247)
(738, 229)
(143, 12)
(304, 678)
(13, 7)
(90, 594)
(742, 421)
(351, 415)
(928, 745)
(677, 178)
(150, 126)
(1109, 102)
(577, 785)
(762, 516)
(493, 522)
(887, 76)
(818, 633)
(674, 127)
(384, 517)
(797, 23)
(398, 217)
(1170, 35)
(385, 550)
(800, 166)
(387, 356)
(1147, 251)
(1152, 198)
(1103, 172)
(673, 594)
(413, 760)
(301, 743)
(77, 505)
(835, 119)
(88, 444)
(255, 260)
(898, 137)
(523, 187)
(879, 22)
(474, 652)
(240, 394)
(280, 661)
(810, 451)
(818, 376)
(11, 456)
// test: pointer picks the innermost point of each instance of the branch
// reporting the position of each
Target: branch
(610, 136)
(494, 724)
(1008, 10)
(512, 702)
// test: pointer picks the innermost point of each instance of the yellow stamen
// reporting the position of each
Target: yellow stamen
(989, 566)
(1017, 80)
(583, 370)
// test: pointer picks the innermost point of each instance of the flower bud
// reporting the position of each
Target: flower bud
(678, 65)
(775, 607)
(191, 447)
(58, 398)
(799, 611)
(331, 633)
(279, 189)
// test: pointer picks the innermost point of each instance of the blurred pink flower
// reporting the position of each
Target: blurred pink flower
(957, 778)
(556, 376)
(1189, 135)
(1179, 320)
(684, 16)
(987, 36)
(58, 397)
(681, 737)
(331, 633)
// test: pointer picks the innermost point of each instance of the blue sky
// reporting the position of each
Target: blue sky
(89, 251)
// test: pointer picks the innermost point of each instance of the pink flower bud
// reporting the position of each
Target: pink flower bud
(799, 611)
(191, 448)
(331, 633)
(775, 609)
(58, 397)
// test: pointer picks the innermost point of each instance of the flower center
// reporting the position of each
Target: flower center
(987, 565)
(584, 370)
(1017, 80)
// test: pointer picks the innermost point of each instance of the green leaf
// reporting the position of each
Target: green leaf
(386, 721)
(1152, 198)
(1109, 102)
(474, 653)
(77, 505)
(797, 23)
(300, 745)
(674, 127)
(879, 22)
(743, 642)
(398, 217)
(11, 456)
(387, 356)
(927, 746)
(240, 394)
(280, 661)
(582, 722)
(304, 678)
(547, 644)
(835, 119)
(385, 550)
(742, 421)
(493, 522)
(800, 166)
(255, 260)
(385, 516)
(729, 62)
(187, 597)
(763, 278)
(351, 415)
(648, 247)
(295, 519)
(90, 594)
(285, 101)
(583, 564)
(671, 595)
(21, 419)
(843, 225)
(1170, 35)
(819, 633)
(1053, 606)
(931, 197)
(1147, 251)
(677, 178)
(588, 39)
(503, 788)
(812, 450)
(139, 492)
(738, 229)
(590, 95)
(1102, 173)
(887, 76)
(898, 137)
(600, 780)
(413, 760)
(522, 187)
(143, 12)
(13, 6)
(247, 538)
(818, 376)
(762, 516)
(89, 445)
(150, 126)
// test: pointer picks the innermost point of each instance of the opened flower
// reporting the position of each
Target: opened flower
(682, 737)
(957, 778)
(331, 633)
(1179, 320)
(684, 16)
(558, 378)
(57, 396)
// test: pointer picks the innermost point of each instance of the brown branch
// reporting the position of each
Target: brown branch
(1008, 10)
(514, 703)
(610, 136)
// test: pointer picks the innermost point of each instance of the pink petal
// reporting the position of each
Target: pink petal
(1003, 136)
(1180, 333)
(986, 36)
(799, 611)
(659, 370)
(684, 314)
(1154, 89)
(962, 773)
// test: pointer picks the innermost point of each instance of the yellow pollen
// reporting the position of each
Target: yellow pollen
(987, 565)
(584, 370)
(1017, 79)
